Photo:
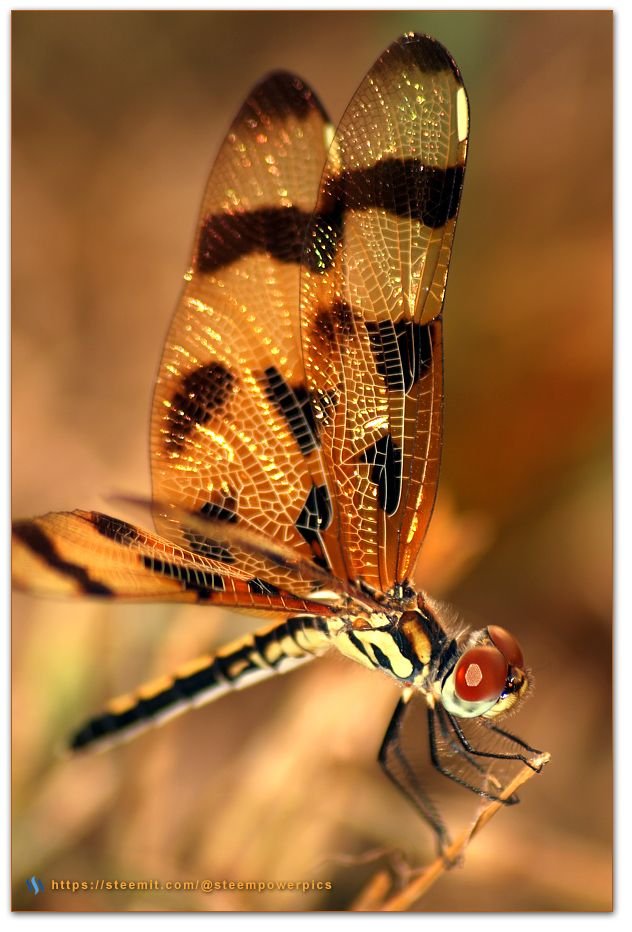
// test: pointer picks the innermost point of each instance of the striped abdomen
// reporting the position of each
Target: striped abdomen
(256, 656)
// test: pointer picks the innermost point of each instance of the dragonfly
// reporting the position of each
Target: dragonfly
(296, 427)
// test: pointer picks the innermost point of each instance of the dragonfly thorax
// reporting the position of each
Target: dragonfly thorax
(409, 645)
(482, 674)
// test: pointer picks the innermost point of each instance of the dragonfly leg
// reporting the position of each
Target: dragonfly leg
(519, 741)
(434, 718)
(497, 755)
(398, 769)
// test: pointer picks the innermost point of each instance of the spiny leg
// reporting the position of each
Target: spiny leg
(391, 750)
(442, 769)
(496, 755)
(523, 744)
(456, 746)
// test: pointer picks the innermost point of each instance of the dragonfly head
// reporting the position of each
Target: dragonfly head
(489, 678)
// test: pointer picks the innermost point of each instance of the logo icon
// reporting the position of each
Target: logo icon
(35, 885)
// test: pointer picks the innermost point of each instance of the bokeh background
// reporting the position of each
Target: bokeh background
(116, 119)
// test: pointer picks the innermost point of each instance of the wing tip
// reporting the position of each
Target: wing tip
(430, 55)
(289, 94)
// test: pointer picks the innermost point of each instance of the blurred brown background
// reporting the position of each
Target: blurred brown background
(116, 118)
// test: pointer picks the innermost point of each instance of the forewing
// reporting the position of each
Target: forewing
(372, 288)
(88, 553)
(233, 433)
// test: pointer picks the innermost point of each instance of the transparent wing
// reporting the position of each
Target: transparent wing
(233, 433)
(88, 553)
(372, 289)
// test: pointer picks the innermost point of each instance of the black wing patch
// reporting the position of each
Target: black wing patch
(294, 403)
(385, 459)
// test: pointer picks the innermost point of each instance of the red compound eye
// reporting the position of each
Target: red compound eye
(480, 674)
(507, 645)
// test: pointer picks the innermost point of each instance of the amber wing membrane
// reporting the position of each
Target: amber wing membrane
(88, 553)
(372, 287)
(233, 433)
(335, 455)
(234, 441)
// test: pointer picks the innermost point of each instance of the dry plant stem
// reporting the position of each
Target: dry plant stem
(374, 893)
(369, 897)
